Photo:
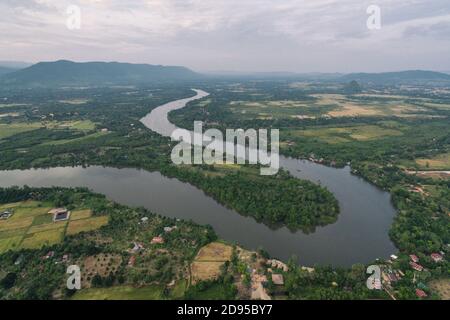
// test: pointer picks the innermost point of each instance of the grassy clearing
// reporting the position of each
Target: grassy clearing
(12, 233)
(440, 162)
(364, 105)
(29, 212)
(15, 223)
(276, 109)
(44, 219)
(215, 251)
(121, 293)
(47, 226)
(341, 135)
(82, 125)
(80, 214)
(332, 105)
(84, 139)
(10, 243)
(208, 261)
(44, 238)
(84, 225)
(205, 270)
(7, 130)
(179, 289)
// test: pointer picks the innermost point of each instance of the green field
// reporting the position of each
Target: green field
(82, 125)
(7, 130)
(439, 162)
(335, 135)
(84, 225)
(332, 105)
(32, 227)
(120, 293)
(86, 138)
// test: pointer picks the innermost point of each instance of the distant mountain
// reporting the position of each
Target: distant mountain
(402, 77)
(68, 73)
(15, 64)
(273, 75)
(5, 70)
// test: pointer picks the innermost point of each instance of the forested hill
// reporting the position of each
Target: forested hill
(402, 77)
(68, 73)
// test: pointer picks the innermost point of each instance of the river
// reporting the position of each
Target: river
(360, 234)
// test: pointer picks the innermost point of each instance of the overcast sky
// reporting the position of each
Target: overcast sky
(235, 35)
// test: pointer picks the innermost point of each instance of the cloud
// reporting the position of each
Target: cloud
(296, 35)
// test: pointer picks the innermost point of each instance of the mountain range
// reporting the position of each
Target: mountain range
(69, 73)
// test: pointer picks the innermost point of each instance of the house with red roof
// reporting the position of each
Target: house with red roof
(436, 257)
(157, 240)
(420, 293)
(414, 258)
(416, 266)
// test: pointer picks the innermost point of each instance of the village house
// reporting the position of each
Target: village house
(157, 240)
(6, 214)
(420, 293)
(169, 229)
(277, 279)
(144, 220)
(137, 247)
(310, 270)
(436, 257)
(276, 264)
(414, 258)
(59, 214)
(416, 266)
(258, 292)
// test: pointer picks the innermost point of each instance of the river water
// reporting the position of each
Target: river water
(360, 235)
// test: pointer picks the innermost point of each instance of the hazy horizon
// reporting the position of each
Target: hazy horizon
(323, 36)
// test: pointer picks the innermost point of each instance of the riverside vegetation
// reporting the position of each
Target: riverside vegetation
(386, 137)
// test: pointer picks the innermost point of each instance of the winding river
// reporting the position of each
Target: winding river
(360, 235)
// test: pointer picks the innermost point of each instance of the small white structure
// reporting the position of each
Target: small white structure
(277, 279)
(60, 214)
(169, 229)
(6, 214)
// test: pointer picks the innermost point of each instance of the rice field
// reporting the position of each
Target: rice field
(153, 292)
(335, 105)
(335, 135)
(209, 260)
(84, 225)
(32, 227)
